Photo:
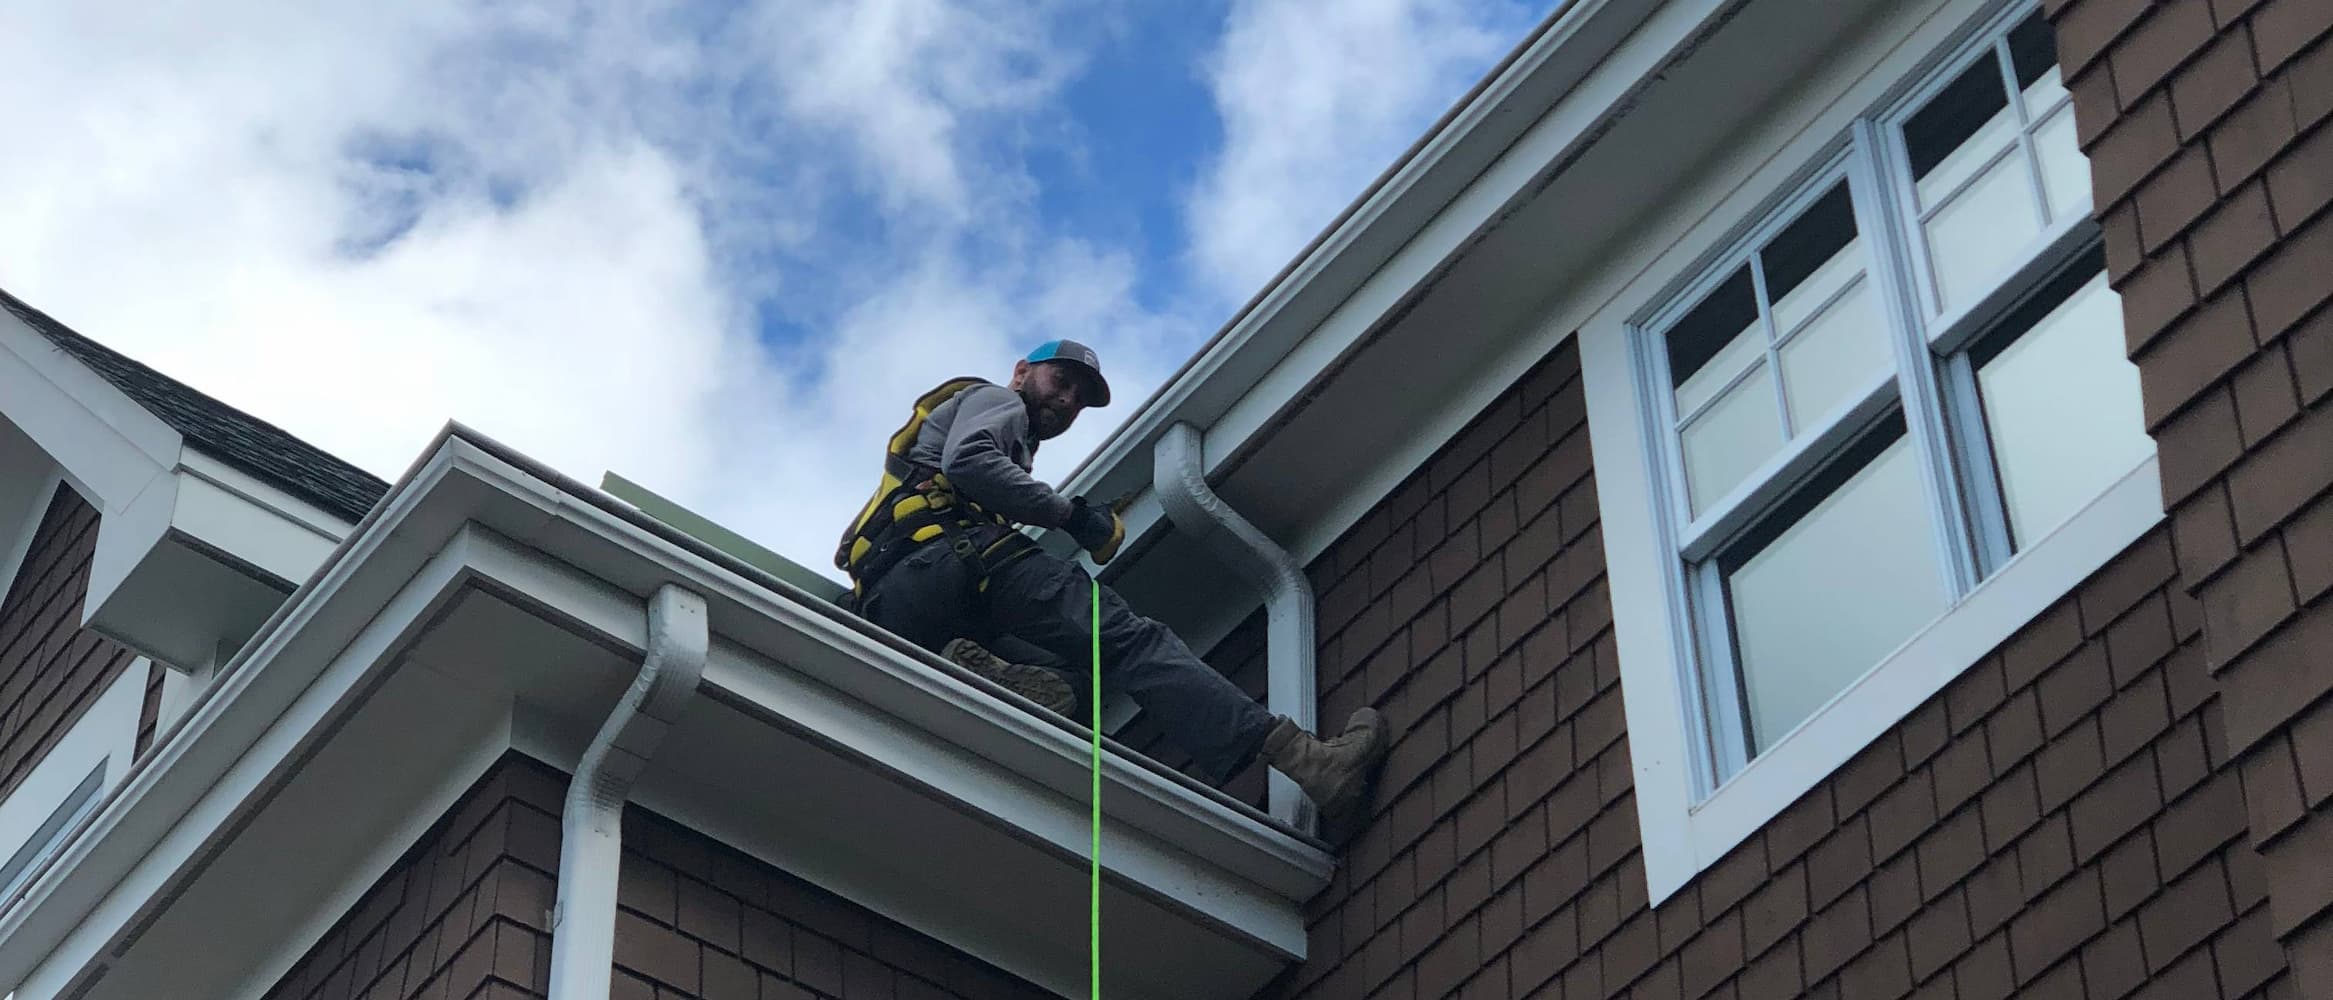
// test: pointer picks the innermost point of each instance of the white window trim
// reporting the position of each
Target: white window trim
(103, 740)
(1684, 832)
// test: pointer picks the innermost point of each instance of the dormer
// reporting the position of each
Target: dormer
(208, 517)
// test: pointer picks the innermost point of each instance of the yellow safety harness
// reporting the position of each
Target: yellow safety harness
(915, 504)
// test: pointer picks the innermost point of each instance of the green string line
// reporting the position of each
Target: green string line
(1095, 696)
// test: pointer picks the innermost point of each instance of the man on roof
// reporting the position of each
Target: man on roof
(935, 557)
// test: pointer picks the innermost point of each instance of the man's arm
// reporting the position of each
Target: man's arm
(977, 459)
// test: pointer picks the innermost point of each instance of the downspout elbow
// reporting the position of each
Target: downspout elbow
(1179, 475)
(583, 923)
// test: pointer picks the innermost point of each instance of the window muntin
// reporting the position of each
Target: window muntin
(1994, 163)
(1825, 429)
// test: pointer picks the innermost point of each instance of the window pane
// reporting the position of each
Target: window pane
(2033, 52)
(1836, 356)
(1729, 440)
(1958, 130)
(2062, 409)
(1971, 239)
(1747, 348)
(2065, 172)
(1812, 258)
(1834, 592)
(1715, 342)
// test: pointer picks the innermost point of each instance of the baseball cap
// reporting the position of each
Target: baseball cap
(1074, 353)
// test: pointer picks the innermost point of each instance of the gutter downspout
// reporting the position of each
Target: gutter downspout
(1180, 477)
(583, 924)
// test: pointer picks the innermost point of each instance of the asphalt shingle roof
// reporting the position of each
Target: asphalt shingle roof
(221, 431)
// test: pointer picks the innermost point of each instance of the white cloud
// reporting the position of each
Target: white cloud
(563, 222)
(1317, 100)
(552, 221)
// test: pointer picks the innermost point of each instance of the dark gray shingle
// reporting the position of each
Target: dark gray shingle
(221, 431)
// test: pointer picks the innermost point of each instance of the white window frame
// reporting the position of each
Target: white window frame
(1689, 818)
(41, 814)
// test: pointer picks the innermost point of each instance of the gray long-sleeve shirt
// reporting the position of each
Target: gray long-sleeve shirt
(982, 441)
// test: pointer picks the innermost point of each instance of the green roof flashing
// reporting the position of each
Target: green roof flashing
(727, 541)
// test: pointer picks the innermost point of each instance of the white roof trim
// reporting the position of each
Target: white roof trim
(173, 520)
(467, 516)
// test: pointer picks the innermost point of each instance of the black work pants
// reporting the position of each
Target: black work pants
(1045, 601)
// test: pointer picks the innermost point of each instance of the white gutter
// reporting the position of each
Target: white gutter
(583, 925)
(1179, 476)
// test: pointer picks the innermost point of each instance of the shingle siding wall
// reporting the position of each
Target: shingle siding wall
(466, 914)
(2063, 820)
(2207, 122)
(50, 668)
(698, 921)
(150, 709)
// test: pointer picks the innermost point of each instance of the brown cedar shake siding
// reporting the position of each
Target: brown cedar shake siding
(50, 667)
(2206, 124)
(2063, 820)
(466, 914)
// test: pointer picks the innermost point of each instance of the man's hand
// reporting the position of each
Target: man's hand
(1098, 530)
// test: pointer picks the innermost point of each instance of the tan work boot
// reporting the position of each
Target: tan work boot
(1338, 773)
(1037, 684)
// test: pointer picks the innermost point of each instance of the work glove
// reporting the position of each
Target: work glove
(1098, 529)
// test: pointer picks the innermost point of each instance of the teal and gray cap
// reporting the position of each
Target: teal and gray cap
(1078, 355)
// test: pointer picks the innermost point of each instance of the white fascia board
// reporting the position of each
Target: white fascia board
(215, 505)
(153, 491)
(110, 446)
(873, 666)
(770, 648)
(295, 514)
(192, 564)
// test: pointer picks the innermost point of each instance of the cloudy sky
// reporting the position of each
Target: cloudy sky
(714, 247)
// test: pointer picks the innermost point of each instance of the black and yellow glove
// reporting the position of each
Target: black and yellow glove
(1098, 530)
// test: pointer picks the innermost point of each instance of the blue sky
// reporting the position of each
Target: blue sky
(714, 247)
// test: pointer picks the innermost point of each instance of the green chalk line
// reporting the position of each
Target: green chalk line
(1095, 697)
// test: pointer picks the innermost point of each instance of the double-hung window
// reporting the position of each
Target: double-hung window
(1863, 413)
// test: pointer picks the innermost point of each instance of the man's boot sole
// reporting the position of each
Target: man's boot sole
(1037, 684)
